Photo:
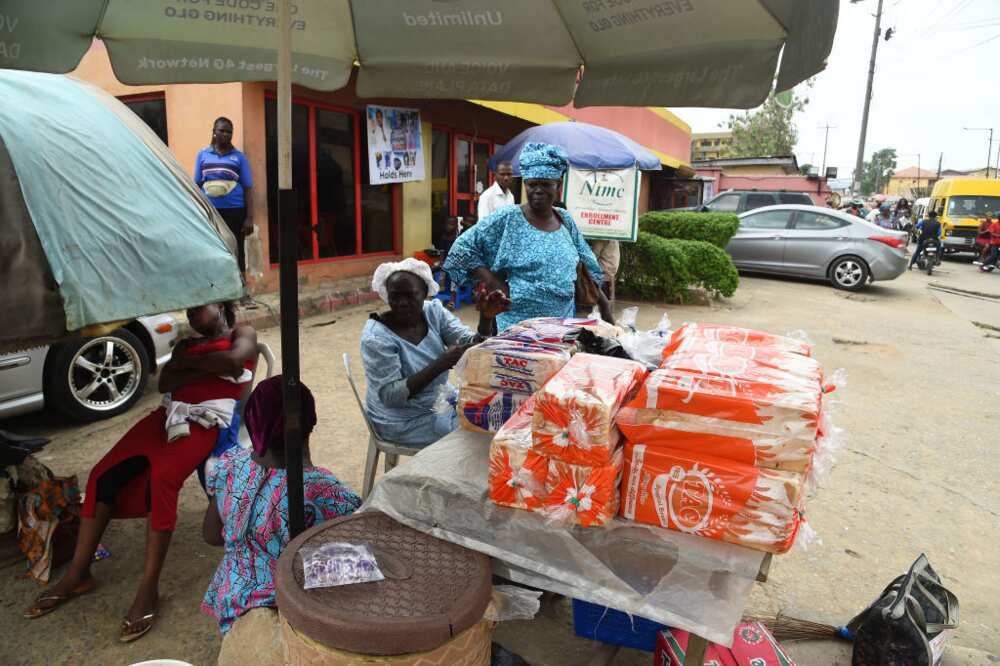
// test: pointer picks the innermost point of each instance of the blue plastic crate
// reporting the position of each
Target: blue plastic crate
(607, 625)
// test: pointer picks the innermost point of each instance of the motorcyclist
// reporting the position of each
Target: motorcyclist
(929, 230)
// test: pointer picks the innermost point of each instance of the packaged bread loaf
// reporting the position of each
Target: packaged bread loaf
(575, 410)
(780, 409)
(583, 495)
(741, 442)
(511, 365)
(483, 409)
(719, 499)
(517, 474)
(736, 335)
(726, 359)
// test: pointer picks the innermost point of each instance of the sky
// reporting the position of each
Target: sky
(938, 73)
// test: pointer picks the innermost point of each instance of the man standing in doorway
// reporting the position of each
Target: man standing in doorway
(498, 194)
(223, 173)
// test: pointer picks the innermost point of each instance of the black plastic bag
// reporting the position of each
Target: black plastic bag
(591, 343)
(909, 622)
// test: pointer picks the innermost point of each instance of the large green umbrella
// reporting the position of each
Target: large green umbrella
(724, 53)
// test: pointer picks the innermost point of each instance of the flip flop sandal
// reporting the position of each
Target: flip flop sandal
(128, 632)
(56, 600)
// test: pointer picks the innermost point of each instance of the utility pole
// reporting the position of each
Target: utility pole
(868, 95)
(940, 159)
(989, 146)
(826, 137)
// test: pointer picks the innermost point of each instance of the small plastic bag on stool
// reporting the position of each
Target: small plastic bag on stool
(338, 563)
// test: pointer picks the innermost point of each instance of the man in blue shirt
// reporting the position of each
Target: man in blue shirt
(930, 231)
(223, 173)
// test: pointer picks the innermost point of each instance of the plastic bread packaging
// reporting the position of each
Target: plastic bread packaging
(727, 359)
(517, 474)
(582, 495)
(487, 409)
(555, 326)
(574, 412)
(739, 442)
(511, 365)
(737, 335)
(709, 497)
(779, 409)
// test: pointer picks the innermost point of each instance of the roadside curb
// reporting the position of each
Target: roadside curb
(939, 286)
(267, 314)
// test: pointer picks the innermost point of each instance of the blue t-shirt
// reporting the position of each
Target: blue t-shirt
(232, 169)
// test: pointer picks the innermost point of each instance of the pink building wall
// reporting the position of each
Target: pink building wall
(818, 190)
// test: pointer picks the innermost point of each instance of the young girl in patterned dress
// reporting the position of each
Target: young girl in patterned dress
(248, 515)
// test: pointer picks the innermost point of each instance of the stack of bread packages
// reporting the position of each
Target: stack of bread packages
(561, 453)
(722, 437)
(499, 375)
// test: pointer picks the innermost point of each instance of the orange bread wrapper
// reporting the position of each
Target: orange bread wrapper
(575, 411)
(725, 359)
(703, 435)
(517, 477)
(736, 335)
(714, 498)
(780, 409)
(581, 495)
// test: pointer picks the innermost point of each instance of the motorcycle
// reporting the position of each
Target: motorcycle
(931, 256)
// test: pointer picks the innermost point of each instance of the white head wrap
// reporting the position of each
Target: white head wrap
(409, 265)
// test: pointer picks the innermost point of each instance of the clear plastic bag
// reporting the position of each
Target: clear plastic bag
(627, 318)
(254, 252)
(446, 399)
(338, 563)
(511, 602)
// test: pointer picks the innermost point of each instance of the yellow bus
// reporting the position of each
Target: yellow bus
(962, 203)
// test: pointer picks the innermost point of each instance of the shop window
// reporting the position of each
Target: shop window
(152, 108)
(440, 181)
(337, 212)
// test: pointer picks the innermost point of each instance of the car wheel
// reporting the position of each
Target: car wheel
(97, 378)
(849, 273)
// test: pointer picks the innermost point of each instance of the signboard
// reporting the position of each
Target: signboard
(604, 202)
(395, 154)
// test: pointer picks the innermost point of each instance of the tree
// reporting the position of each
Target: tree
(876, 172)
(769, 130)
(804, 169)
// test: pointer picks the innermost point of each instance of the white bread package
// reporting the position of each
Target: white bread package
(567, 328)
(741, 442)
(511, 365)
(719, 499)
(575, 410)
(483, 409)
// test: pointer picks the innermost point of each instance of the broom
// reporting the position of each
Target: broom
(785, 628)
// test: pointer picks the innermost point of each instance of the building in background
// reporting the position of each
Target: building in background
(710, 145)
(348, 226)
(771, 174)
(912, 183)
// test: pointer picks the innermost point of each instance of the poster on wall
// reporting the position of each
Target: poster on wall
(395, 154)
(604, 202)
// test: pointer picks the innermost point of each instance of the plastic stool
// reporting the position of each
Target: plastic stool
(462, 293)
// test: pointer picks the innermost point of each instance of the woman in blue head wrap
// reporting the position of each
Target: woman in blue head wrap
(530, 251)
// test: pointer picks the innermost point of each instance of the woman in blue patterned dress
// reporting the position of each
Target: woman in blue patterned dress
(529, 252)
(248, 516)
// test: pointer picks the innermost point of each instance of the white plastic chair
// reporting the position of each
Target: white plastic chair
(376, 444)
(265, 352)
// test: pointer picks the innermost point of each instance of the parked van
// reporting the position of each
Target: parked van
(961, 204)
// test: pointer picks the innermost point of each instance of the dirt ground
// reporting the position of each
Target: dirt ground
(916, 475)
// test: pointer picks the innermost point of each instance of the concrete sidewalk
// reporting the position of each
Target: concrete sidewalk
(327, 297)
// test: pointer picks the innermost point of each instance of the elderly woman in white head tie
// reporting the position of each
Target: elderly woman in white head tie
(407, 353)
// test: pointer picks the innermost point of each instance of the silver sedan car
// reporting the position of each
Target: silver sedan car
(90, 378)
(816, 242)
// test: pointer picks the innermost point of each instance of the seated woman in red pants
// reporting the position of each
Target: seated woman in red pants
(143, 474)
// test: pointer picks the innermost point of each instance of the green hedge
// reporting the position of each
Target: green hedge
(656, 268)
(714, 228)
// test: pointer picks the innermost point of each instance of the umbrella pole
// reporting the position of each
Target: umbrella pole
(289, 278)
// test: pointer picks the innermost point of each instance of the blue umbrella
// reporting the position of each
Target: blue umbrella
(588, 147)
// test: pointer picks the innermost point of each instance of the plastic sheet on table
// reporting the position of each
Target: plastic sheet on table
(696, 584)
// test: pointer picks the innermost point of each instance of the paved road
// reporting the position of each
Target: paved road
(917, 473)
